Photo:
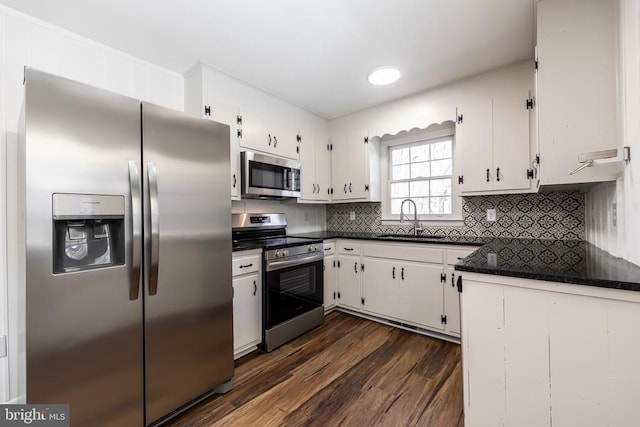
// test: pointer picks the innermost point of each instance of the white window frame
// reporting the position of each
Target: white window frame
(455, 218)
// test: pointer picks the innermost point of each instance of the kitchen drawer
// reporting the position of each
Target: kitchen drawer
(348, 247)
(410, 252)
(329, 247)
(244, 264)
(455, 255)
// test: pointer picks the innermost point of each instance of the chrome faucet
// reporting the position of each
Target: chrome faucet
(417, 227)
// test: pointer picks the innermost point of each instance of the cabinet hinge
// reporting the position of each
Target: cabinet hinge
(362, 300)
(461, 179)
(529, 104)
(299, 138)
(537, 159)
(460, 119)
(535, 64)
(459, 283)
(207, 110)
(366, 187)
(240, 133)
(366, 139)
(361, 268)
(443, 319)
(443, 277)
(239, 119)
(529, 173)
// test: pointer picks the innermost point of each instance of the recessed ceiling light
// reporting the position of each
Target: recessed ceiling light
(384, 76)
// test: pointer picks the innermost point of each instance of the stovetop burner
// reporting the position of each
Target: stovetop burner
(267, 231)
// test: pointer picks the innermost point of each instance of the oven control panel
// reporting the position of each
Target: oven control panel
(294, 251)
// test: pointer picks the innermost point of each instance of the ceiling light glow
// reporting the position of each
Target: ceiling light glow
(384, 76)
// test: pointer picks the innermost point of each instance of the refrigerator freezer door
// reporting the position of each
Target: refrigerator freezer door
(83, 332)
(188, 299)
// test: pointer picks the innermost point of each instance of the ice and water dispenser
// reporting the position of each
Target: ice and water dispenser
(88, 231)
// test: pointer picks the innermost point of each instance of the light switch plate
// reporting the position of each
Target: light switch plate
(491, 215)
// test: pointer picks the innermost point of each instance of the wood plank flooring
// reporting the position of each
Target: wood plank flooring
(350, 371)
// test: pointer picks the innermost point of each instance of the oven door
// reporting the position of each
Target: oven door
(269, 176)
(292, 287)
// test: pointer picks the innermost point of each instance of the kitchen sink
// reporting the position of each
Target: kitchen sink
(408, 237)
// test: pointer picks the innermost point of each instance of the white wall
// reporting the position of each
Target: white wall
(28, 41)
(623, 240)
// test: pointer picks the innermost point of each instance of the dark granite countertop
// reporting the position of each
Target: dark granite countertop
(566, 261)
(454, 240)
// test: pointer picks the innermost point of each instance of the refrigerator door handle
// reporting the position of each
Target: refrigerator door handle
(155, 227)
(136, 230)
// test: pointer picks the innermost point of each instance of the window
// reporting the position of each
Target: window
(421, 168)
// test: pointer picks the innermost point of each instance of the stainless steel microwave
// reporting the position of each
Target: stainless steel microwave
(265, 176)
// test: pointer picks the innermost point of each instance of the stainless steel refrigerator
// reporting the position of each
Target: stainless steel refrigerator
(127, 254)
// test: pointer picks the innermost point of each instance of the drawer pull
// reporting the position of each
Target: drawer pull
(246, 266)
(348, 249)
(255, 287)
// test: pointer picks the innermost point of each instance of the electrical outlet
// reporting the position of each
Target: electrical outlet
(492, 260)
(352, 216)
(491, 215)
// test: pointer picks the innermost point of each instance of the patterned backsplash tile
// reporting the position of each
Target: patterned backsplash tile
(556, 215)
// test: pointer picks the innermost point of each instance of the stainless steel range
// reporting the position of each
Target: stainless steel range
(292, 279)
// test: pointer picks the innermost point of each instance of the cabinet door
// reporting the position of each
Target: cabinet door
(358, 165)
(323, 170)
(380, 280)
(420, 294)
(451, 303)
(511, 145)
(340, 167)
(255, 133)
(330, 282)
(474, 143)
(349, 273)
(577, 105)
(284, 139)
(247, 312)
(308, 168)
(228, 114)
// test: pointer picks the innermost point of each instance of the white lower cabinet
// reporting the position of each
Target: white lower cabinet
(247, 302)
(408, 283)
(538, 353)
(330, 276)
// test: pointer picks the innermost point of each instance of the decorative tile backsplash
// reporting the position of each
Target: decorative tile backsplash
(556, 215)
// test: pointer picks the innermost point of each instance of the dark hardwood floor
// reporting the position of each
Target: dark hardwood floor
(349, 371)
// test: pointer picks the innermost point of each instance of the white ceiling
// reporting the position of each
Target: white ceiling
(316, 54)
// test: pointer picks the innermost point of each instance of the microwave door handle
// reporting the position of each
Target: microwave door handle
(155, 228)
(136, 230)
(285, 171)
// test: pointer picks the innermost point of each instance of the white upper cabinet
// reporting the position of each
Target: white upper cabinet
(201, 99)
(576, 88)
(268, 134)
(493, 135)
(355, 172)
(315, 164)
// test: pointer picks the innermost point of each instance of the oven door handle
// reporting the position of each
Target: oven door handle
(278, 265)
